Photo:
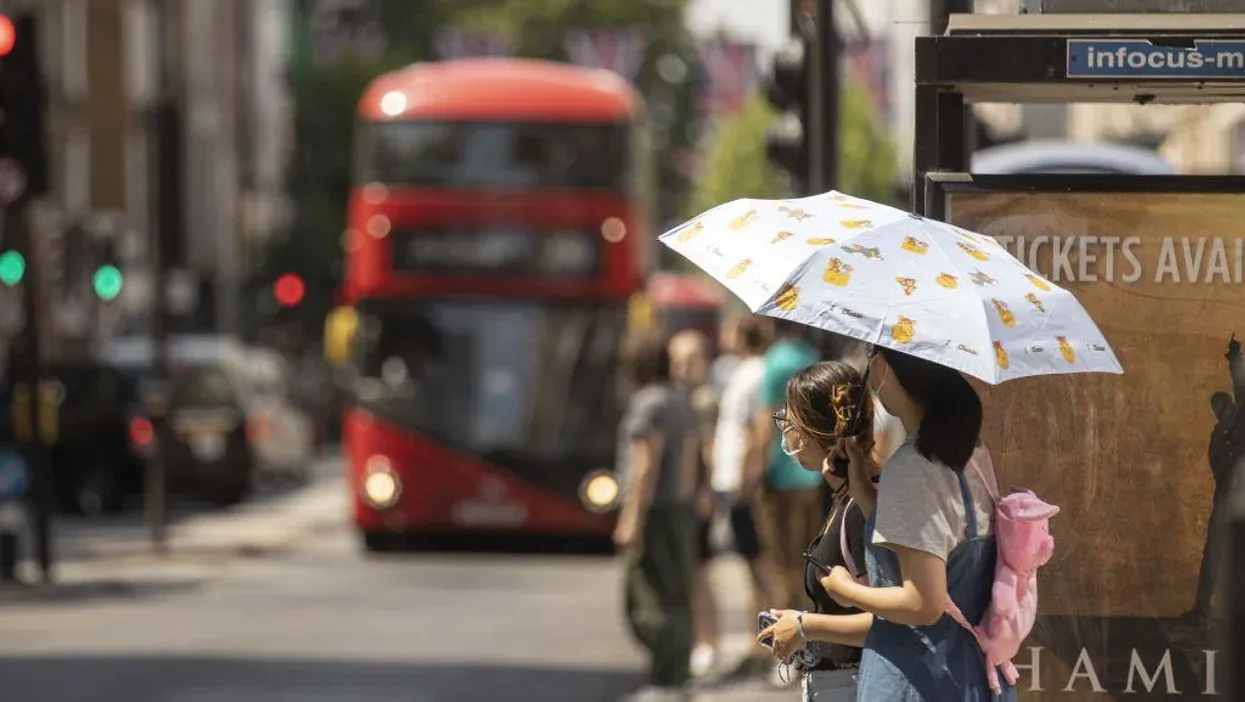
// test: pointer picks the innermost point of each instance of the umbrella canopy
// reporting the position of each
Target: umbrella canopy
(882, 275)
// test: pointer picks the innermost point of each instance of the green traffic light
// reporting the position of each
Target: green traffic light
(12, 268)
(108, 281)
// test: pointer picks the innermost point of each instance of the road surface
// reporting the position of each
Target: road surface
(325, 622)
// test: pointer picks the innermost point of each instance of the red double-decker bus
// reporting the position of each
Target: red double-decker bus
(498, 227)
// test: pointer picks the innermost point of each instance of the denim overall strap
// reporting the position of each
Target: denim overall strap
(970, 533)
(970, 512)
(941, 662)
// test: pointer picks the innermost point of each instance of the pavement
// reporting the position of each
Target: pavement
(116, 553)
(274, 601)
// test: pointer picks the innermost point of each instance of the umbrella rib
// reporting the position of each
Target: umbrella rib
(981, 306)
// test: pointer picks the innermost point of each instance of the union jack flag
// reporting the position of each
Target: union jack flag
(866, 60)
(731, 75)
(619, 50)
(455, 43)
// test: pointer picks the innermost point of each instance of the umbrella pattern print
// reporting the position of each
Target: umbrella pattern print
(881, 275)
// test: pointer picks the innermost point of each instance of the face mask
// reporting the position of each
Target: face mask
(877, 393)
(793, 452)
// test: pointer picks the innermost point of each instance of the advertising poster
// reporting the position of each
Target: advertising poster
(1139, 463)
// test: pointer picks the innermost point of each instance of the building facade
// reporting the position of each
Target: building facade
(204, 81)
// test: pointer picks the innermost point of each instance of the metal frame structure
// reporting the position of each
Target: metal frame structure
(939, 185)
(1026, 59)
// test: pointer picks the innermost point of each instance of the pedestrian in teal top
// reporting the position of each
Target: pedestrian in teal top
(789, 509)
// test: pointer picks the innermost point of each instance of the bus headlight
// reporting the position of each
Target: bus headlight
(381, 486)
(599, 491)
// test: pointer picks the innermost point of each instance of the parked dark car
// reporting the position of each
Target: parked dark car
(205, 445)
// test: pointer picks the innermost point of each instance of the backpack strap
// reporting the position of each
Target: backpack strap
(843, 549)
(970, 528)
(990, 481)
(954, 612)
(970, 531)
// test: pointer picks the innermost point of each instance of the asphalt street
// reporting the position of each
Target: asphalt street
(324, 622)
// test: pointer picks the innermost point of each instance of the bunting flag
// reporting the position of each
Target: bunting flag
(619, 50)
(731, 75)
(866, 60)
(456, 43)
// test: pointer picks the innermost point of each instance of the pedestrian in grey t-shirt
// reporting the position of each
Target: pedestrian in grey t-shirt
(656, 527)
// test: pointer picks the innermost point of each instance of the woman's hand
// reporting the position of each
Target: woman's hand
(786, 633)
(860, 471)
(626, 532)
(836, 583)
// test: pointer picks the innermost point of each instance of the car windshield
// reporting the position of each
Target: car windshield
(520, 380)
(494, 154)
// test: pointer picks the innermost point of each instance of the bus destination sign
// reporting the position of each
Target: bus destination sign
(497, 251)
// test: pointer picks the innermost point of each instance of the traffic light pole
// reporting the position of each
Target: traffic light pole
(30, 388)
(825, 174)
(155, 484)
(34, 411)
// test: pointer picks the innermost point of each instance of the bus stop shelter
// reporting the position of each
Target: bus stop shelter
(1132, 602)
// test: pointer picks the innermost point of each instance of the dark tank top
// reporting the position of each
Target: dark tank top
(827, 549)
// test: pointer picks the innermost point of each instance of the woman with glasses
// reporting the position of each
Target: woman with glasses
(825, 404)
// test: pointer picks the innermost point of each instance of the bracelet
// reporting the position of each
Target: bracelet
(799, 626)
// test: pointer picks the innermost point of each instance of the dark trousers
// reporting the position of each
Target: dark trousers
(658, 591)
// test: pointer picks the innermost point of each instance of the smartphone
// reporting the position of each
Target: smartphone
(764, 621)
(839, 469)
(816, 564)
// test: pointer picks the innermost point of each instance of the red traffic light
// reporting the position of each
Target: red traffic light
(289, 289)
(8, 35)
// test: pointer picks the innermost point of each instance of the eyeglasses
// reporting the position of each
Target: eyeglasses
(780, 420)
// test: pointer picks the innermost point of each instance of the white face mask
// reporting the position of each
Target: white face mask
(793, 452)
(877, 393)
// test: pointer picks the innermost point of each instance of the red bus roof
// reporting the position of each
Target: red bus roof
(500, 89)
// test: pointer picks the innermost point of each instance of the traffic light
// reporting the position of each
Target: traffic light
(12, 268)
(289, 289)
(23, 164)
(106, 278)
(8, 35)
(787, 89)
(107, 282)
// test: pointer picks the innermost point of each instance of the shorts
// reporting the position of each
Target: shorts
(829, 686)
(743, 527)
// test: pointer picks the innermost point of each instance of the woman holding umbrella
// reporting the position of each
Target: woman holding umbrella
(927, 539)
(939, 300)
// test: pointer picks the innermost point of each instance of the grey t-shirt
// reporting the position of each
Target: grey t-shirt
(919, 502)
(667, 412)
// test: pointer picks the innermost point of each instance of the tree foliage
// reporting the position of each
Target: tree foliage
(735, 164)
(325, 96)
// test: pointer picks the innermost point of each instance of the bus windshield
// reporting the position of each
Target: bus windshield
(494, 154)
(528, 385)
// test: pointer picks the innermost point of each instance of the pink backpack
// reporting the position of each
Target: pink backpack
(1022, 531)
